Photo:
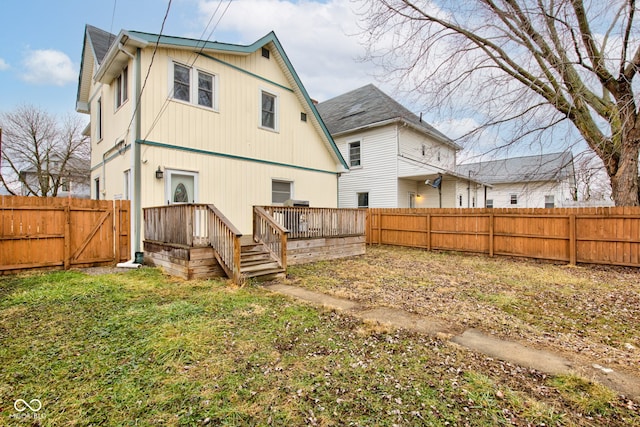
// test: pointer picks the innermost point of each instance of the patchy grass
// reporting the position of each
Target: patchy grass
(590, 311)
(141, 349)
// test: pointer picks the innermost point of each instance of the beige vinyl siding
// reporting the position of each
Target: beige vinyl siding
(234, 129)
(234, 186)
(378, 172)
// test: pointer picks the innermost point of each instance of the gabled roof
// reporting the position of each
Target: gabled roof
(109, 63)
(94, 48)
(368, 106)
(545, 167)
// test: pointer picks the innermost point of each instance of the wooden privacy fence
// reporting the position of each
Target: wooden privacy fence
(53, 232)
(586, 235)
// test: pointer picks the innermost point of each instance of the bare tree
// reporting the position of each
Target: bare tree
(591, 179)
(41, 155)
(527, 67)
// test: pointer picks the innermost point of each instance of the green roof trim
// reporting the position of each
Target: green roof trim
(242, 70)
(245, 49)
(230, 156)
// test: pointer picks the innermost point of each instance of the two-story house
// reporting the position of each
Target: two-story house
(176, 120)
(395, 158)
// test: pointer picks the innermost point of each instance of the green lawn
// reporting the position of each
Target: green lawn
(142, 349)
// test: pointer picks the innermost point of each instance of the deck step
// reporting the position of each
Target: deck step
(257, 262)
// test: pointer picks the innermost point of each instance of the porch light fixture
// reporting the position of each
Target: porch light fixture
(159, 173)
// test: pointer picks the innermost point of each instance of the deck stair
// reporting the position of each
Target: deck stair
(257, 262)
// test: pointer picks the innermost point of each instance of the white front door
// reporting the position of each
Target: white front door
(181, 186)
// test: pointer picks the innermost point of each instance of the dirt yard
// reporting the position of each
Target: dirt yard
(591, 313)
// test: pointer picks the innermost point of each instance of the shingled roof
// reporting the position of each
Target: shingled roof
(545, 167)
(100, 41)
(369, 106)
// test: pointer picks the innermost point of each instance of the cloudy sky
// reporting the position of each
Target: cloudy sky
(42, 40)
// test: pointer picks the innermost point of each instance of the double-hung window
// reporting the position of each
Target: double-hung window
(354, 154)
(201, 92)
(122, 83)
(99, 119)
(269, 110)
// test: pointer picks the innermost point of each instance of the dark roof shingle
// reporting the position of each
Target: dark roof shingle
(100, 41)
(545, 167)
(366, 106)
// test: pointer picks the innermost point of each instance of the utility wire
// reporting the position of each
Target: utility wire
(155, 49)
(165, 104)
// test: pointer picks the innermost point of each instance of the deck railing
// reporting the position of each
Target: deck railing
(304, 223)
(271, 234)
(178, 224)
(196, 225)
(225, 240)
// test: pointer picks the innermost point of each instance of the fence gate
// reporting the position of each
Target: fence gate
(55, 233)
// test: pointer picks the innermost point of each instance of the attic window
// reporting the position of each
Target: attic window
(303, 117)
(265, 53)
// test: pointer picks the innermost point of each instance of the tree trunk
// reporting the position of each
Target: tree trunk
(624, 183)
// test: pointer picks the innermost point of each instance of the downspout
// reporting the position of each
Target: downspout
(135, 159)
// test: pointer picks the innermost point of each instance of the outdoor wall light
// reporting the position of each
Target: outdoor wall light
(159, 173)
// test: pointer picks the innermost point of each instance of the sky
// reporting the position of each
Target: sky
(41, 41)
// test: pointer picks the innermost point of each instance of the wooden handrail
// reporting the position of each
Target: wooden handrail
(224, 237)
(271, 234)
(305, 223)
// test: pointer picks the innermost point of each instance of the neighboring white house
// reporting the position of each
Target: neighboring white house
(67, 178)
(542, 181)
(393, 155)
(178, 120)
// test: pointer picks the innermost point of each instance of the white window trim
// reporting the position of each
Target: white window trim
(276, 119)
(193, 86)
(368, 193)
(349, 153)
(99, 119)
(121, 89)
(291, 189)
(167, 183)
(126, 191)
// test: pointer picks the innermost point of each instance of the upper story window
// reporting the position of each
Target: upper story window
(354, 154)
(122, 85)
(269, 111)
(202, 92)
(99, 119)
(514, 199)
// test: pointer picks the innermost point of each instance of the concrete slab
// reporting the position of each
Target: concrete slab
(513, 352)
(315, 297)
(402, 319)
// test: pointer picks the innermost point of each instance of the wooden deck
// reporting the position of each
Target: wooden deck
(197, 241)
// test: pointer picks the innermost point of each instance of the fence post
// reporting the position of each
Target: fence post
(67, 236)
(491, 226)
(429, 231)
(572, 239)
(379, 227)
(116, 231)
